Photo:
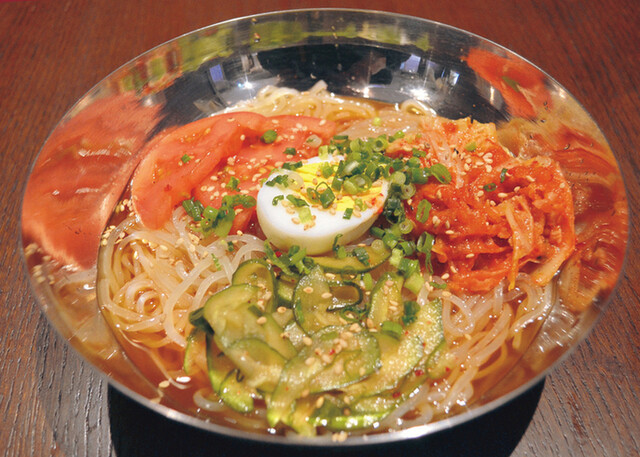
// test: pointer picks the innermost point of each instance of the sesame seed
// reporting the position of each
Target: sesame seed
(530, 178)
(307, 341)
(164, 384)
(308, 290)
(327, 295)
(449, 232)
(281, 310)
(261, 320)
(445, 276)
(470, 256)
(310, 361)
(502, 195)
(319, 402)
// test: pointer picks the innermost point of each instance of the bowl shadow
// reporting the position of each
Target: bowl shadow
(138, 431)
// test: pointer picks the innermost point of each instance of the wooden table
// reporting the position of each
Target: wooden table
(52, 52)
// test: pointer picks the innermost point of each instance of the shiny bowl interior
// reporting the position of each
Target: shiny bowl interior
(375, 55)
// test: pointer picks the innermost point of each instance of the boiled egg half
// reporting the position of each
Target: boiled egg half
(295, 208)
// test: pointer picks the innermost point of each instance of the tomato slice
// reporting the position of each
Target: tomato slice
(244, 172)
(200, 159)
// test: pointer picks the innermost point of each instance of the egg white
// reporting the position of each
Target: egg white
(280, 229)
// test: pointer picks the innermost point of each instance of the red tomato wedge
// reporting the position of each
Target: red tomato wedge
(199, 159)
(82, 170)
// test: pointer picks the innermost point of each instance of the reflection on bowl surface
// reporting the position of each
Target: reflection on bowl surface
(482, 212)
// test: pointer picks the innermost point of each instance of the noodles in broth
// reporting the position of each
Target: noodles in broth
(151, 279)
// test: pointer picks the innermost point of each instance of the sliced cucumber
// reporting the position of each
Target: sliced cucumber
(218, 365)
(386, 293)
(316, 304)
(235, 393)
(196, 342)
(428, 326)
(350, 264)
(397, 358)
(440, 362)
(260, 364)
(336, 415)
(336, 358)
(284, 291)
(233, 315)
(256, 272)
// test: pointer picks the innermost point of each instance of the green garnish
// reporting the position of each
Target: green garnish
(422, 213)
(438, 285)
(441, 173)
(233, 183)
(503, 175)
(185, 158)
(280, 180)
(290, 151)
(291, 165)
(361, 254)
(471, 146)
(347, 213)
(269, 136)
(297, 202)
(277, 199)
(411, 309)
(490, 187)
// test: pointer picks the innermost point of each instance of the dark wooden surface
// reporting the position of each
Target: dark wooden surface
(52, 52)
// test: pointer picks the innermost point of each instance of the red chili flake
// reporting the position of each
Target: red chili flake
(332, 351)
(447, 369)
(396, 394)
(419, 372)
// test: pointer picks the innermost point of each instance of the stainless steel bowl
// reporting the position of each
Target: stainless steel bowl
(376, 55)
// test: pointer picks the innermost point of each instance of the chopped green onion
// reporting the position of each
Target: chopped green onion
(193, 208)
(489, 187)
(441, 173)
(361, 254)
(269, 136)
(377, 121)
(185, 158)
(297, 202)
(503, 175)
(411, 309)
(276, 199)
(414, 282)
(327, 197)
(418, 153)
(438, 285)
(347, 213)
(304, 213)
(230, 246)
(471, 146)
(281, 180)
(292, 165)
(422, 213)
(233, 183)
(367, 280)
(290, 151)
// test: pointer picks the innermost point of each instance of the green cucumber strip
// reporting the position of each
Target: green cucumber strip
(428, 326)
(235, 394)
(195, 344)
(397, 357)
(260, 364)
(350, 264)
(315, 368)
(218, 365)
(387, 291)
(312, 299)
(284, 292)
(332, 416)
(256, 272)
(233, 315)
(440, 361)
